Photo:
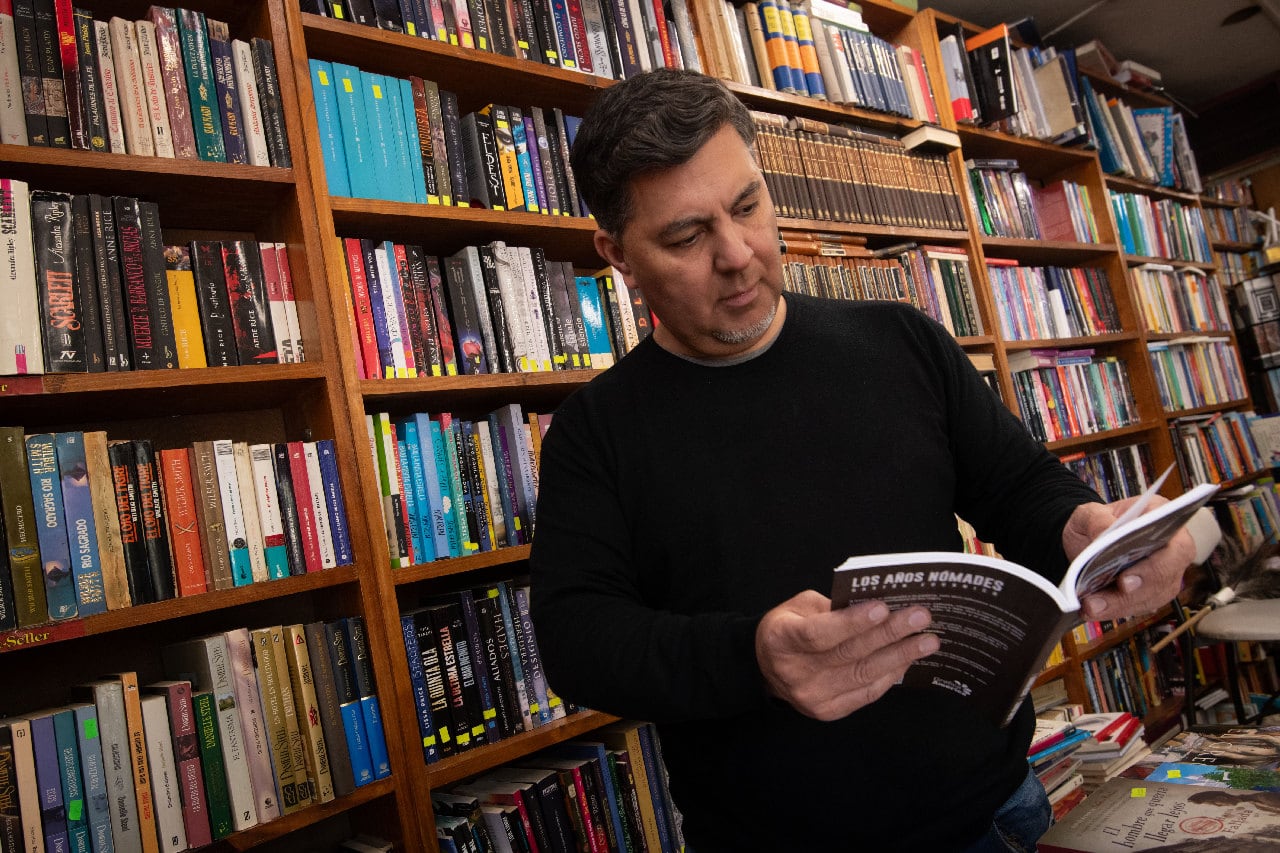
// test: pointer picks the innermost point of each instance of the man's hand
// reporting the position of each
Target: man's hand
(829, 663)
(1143, 587)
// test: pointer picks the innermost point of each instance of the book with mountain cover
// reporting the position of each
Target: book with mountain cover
(997, 621)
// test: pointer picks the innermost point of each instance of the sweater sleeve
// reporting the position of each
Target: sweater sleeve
(594, 612)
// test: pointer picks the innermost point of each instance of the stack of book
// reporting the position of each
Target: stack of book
(125, 523)
(90, 286)
(173, 84)
(1115, 742)
(1052, 757)
(1146, 143)
(1215, 448)
(247, 725)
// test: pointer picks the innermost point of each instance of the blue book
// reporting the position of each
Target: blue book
(398, 139)
(418, 682)
(64, 734)
(524, 163)
(445, 485)
(356, 143)
(535, 161)
(224, 80)
(334, 503)
(357, 742)
(417, 505)
(324, 85)
(589, 750)
(593, 320)
(82, 530)
(436, 527)
(409, 500)
(53, 812)
(571, 125)
(373, 280)
(652, 769)
(1101, 138)
(377, 112)
(97, 800)
(371, 711)
(51, 527)
(397, 329)
(449, 434)
(1061, 746)
(564, 34)
(500, 592)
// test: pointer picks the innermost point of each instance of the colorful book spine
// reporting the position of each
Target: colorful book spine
(211, 762)
(51, 527)
(82, 531)
(206, 117)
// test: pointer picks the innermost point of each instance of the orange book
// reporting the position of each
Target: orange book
(184, 525)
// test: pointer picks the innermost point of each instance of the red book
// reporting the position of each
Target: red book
(306, 512)
(668, 55)
(184, 525)
(578, 32)
(64, 15)
(362, 309)
(186, 755)
(174, 76)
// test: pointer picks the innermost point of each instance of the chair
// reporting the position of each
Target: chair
(1241, 621)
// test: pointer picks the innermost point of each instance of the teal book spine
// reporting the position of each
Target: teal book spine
(398, 138)
(51, 527)
(323, 87)
(206, 119)
(418, 505)
(357, 742)
(354, 124)
(371, 714)
(445, 481)
(593, 320)
(412, 149)
(97, 801)
(82, 531)
(439, 532)
(64, 733)
(381, 143)
(524, 162)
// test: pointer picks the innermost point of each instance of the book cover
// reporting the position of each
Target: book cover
(987, 590)
(153, 527)
(254, 124)
(153, 88)
(146, 290)
(264, 67)
(276, 725)
(206, 117)
(61, 311)
(248, 303)
(249, 701)
(51, 526)
(185, 307)
(211, 763)
(327, 709)
(353, 725)
(307, 705)
(82, 532)
(173, 78)
(49, 51)
(225, 86)
(165, 786)
(28, 49)
(111, 109)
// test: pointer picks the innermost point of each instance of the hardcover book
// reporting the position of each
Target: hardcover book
(994, 668)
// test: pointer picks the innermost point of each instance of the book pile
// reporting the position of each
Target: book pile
(1115, 742)
(172, 84)
(1052, 757)
(246, 726)
(1219, 745)
(90, 286)
(126, 523)
(607, 791)
(485, 309)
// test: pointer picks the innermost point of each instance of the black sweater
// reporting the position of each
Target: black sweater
(678, 502)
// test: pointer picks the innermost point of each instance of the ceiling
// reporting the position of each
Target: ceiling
(1200, 60)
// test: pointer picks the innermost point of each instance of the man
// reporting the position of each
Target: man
(695, 498)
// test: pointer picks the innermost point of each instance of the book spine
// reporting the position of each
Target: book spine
(248, 303)
(327, 707)
(185, 308)
(306, 702)
(277, 729)
(173, 78)
(249, 506)
(418, 684)
(289, 513)
(155, 533)
(21, 334)
(254, 126)
(50, 55)
(82, 532)
(28, 47)
(105, 266)
(233, 513)
(224, 78)
(319, 510)
(157, 286)
(113, 118)
(212, 764)
(176, 697)
(307, 523)
(206, 119)
(244, 683)
(153, 89)
(216, 324)
(91, 98)
(60, 307)
(53, 812)
(213, 540)
(264, 65)
(51, 526)
(128, 505)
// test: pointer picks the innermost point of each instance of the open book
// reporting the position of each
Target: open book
(998, 621)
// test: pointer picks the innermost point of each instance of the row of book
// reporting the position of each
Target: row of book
(452, 487)
(607, 791)
(403, 139)
(1232, 191)
(1068, 393)
(475, 669)
(173, 84)
(1145, 143)
(818, 170)
(1238, 266)
(1051, 302)
(607, 38)
(90, 286)
(1160, 228)
(1053, 758)
(247, 726)
(485, 309)
(1216, 448)
(1124, 678)
(1230, 225)
(1008, 204)
(123, 523)
(1180, 300)
(1250, 514)
(1114, 473)
(1194, 372)
(935, 279)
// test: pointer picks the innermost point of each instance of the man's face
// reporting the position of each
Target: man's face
(702, 245)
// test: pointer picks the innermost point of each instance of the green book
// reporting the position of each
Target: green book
(215, 773)
(20, 529)
(206, 120)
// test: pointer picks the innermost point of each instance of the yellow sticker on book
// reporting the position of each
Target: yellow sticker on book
(377, 91)
(324, 78)
(1175, 774)
(346, 85)
(1137, 793)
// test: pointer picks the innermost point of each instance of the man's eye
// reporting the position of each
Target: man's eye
(748, 209)
(685, 242)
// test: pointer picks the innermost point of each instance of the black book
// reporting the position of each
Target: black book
(124, 476)
(415, 16)
(93, 107)
(525, 31)
(465, 319)
(55, 95)
(545, 26)
(361, 11)
(479, 495)
(497, 310)
(224, 81)
(155, 532)
(554, 121)
(215, 310)
(157, 278)
(465, 721)
(248, 303)
(546, 165)
(553, 804)
(62, 317)
(495, 657)
(106, 262)
(387, 15)
(264, 69)
(335, 738)
(480, 154)
(426, 159)
(361, 663)
(474, 672)
(433, 364)
(8, 613)
(133, 284)
(480, 29)
(434, 680)
(990, 57)
(344, 675)
(317, 7)
(550, 321)
(609, 297)
(567, 331)
(453, 144)
(444, 328)
(398, 258)
(24, 25)
(87, 284)
(288, 502)
(501, 26)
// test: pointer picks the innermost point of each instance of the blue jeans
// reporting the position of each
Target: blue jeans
(1019, 823)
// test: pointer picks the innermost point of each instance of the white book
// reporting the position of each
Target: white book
(255, 134)
(518, 329)
(13, 117)
(631, 337)
(642, 43)
(110, 88)
(684, 31)
(21, 343)
(245, 684)
(597, 38)
(491, 480)
(166, 793)
(470, 257)
(233, 512)
(205, 662)
(262, 463)
(134, 112)
(153, 89)
(537, 323)
(522, 468)
(319, 505)
(290, 301)
(249, 510)
(395, 319)
(275, 302)
(113, 734)
(26, 784)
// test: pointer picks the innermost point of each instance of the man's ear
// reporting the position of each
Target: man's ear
(610, 249)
